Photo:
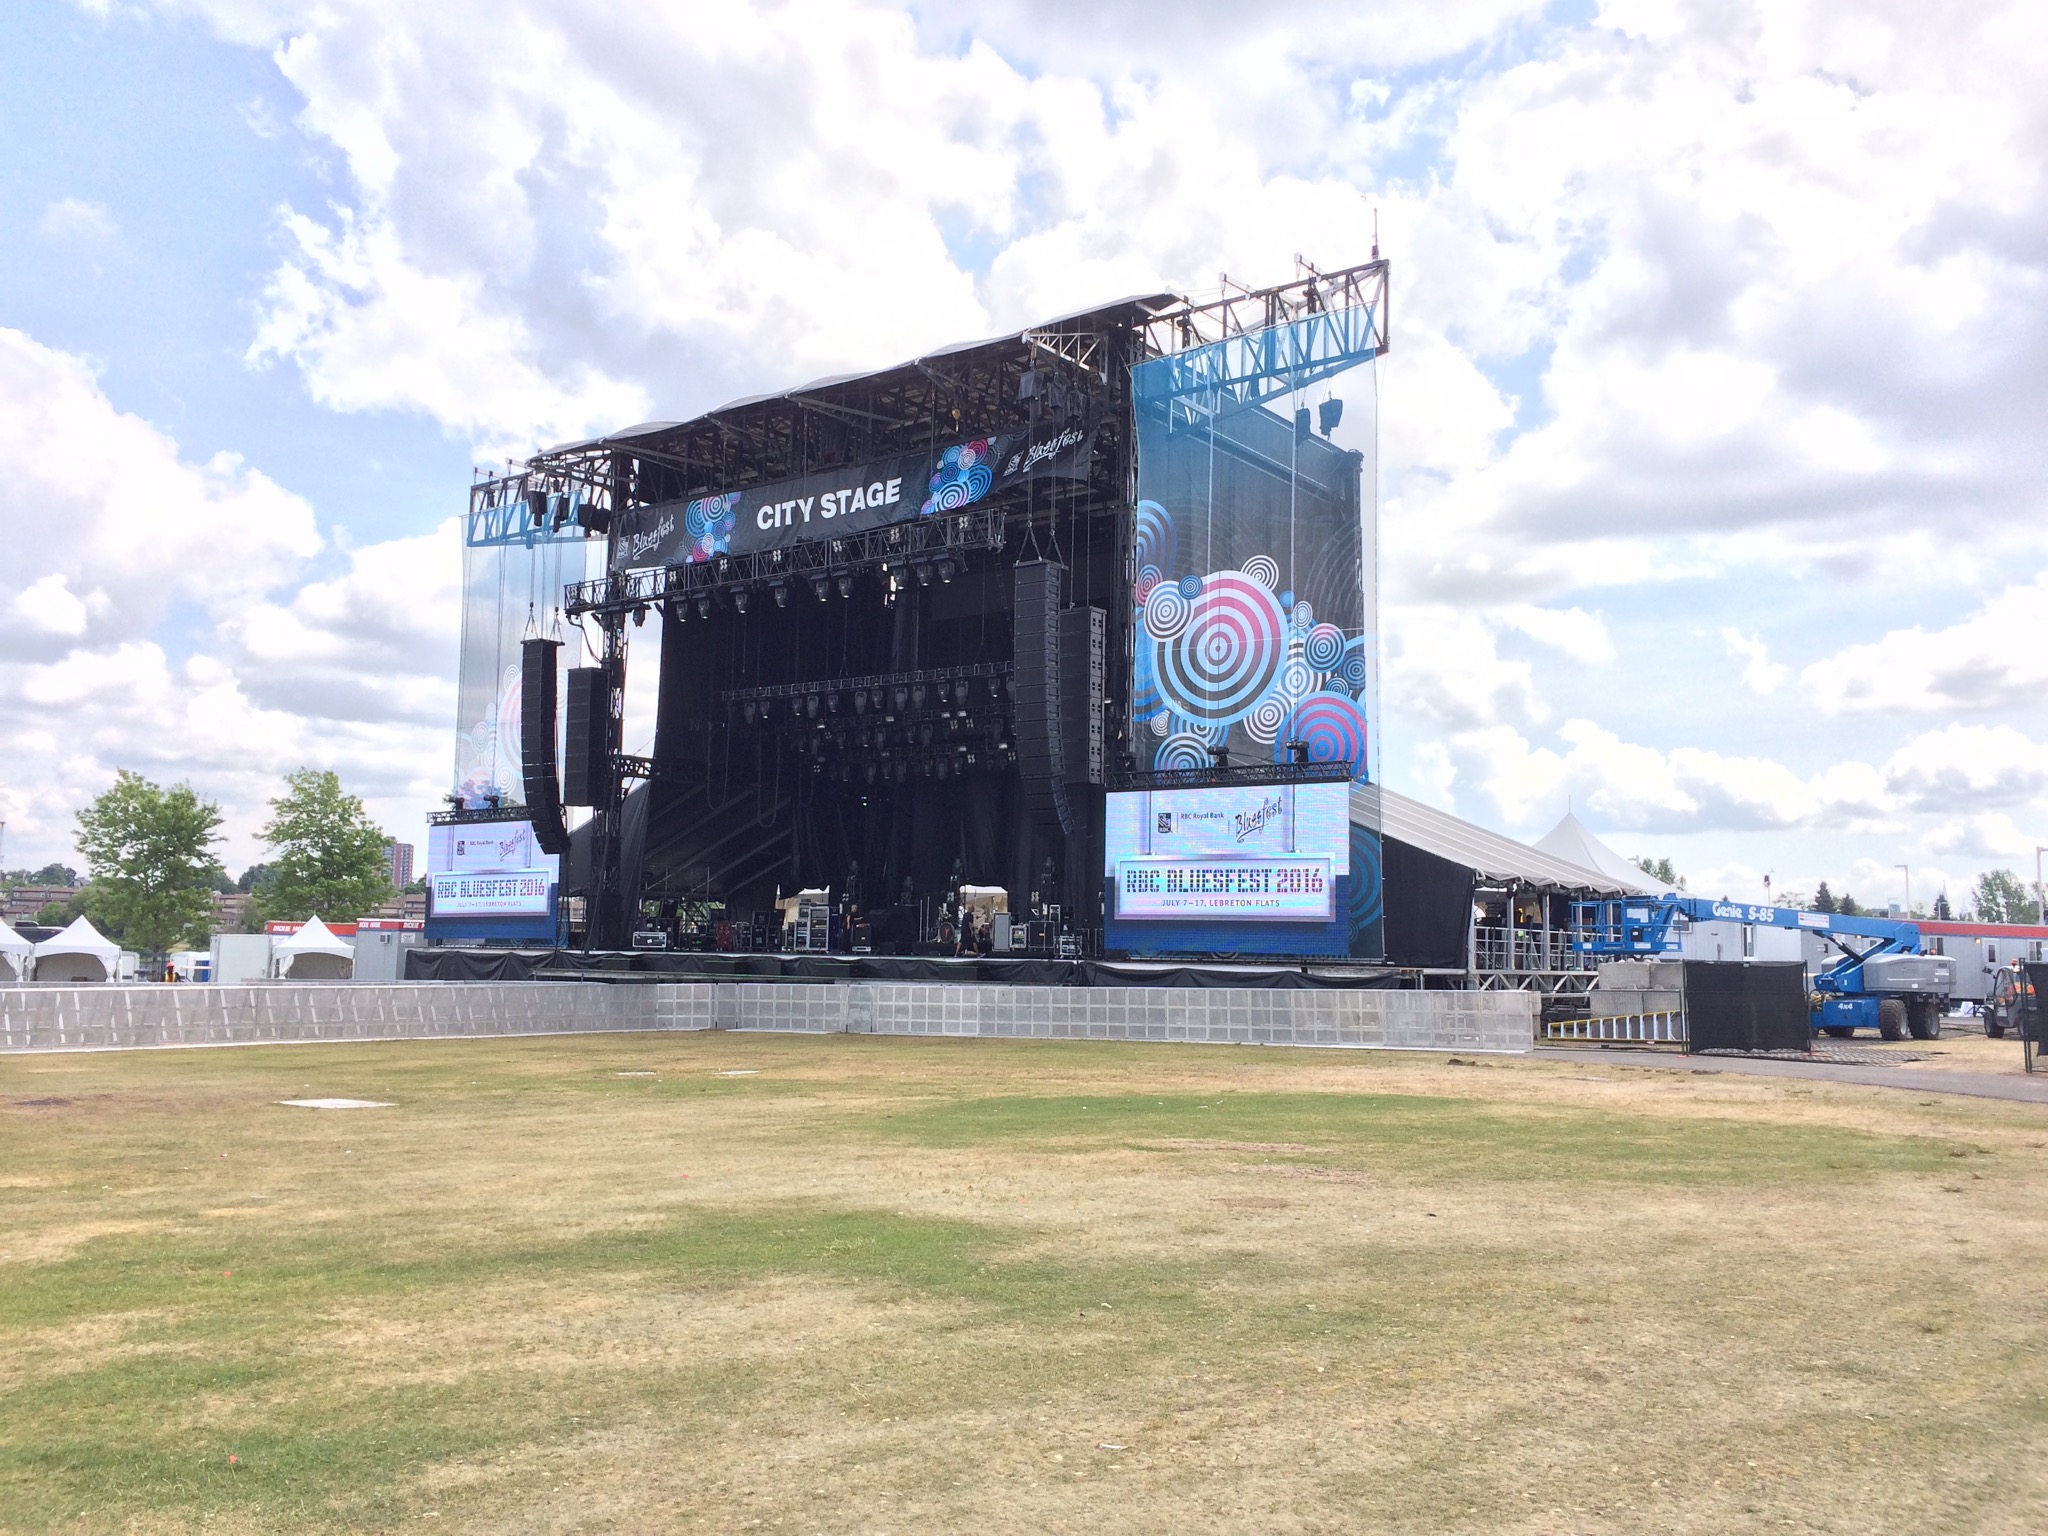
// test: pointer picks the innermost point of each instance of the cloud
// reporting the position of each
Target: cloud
(1991, 660)
(74, 220)
(116, 543)
(1761, 675)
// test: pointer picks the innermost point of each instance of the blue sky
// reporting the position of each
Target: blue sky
(1711, 456)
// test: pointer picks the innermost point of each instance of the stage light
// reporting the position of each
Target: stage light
(860, 701)
(869, 769)
(640, 617)
(942, 767)
(946, 568)
(924, 734)
(822, 587)
(704, 607)
(832, 703)
(811, 705)
(924, 573)
(917, 696)
(781, 591)
(750, 710)
(739, 599)
(1328, 414)
(902, 698)
(676, 613)
(960, 691)
(845, 582)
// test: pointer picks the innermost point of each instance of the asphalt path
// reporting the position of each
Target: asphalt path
(2020, 1088)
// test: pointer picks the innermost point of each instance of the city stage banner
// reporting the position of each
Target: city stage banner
(848, 500)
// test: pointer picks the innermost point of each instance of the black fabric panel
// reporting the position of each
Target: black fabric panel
(452, 964)
(1747, 1005)
(2033, 1019)
(1428, 907)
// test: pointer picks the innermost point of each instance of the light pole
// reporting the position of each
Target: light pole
(1909, 889)
(2040, 898)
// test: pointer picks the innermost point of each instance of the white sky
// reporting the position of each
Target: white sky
(1713, 460)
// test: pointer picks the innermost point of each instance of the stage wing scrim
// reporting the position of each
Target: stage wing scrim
(510, 592)
(1255, 593)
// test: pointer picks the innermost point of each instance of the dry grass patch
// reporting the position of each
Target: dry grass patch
(915, 1285)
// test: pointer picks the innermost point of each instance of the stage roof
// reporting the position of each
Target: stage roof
(1122, 311)
(1493, 858)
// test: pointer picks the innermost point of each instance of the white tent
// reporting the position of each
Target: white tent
(1569, 840)
(15, 952)
(79, 953)
(314, 954)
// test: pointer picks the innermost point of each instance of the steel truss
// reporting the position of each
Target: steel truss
(901, 544)
(1212, 360)
(1225, 776)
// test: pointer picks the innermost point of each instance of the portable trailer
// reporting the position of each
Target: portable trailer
(1880, 981)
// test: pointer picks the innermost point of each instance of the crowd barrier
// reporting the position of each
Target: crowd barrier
(126, 1018)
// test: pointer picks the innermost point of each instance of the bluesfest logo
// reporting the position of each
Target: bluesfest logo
(650, 539)
(1043, 452)
(1250, 823)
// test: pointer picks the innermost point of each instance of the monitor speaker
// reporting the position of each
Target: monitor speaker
(1035, 687)
(586, 750)
(537, 743)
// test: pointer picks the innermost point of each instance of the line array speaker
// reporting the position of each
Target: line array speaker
(1082, 689)
(587, 737)
(1035, 684)
(537, 743)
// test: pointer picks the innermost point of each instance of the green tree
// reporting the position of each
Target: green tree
(327, 855)
(1848, 906)
(1942, 912)
(1824, 899)
(150, 854)
(2001, 897)
(1663, 871)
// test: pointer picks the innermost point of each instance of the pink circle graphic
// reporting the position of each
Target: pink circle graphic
(1227, 653)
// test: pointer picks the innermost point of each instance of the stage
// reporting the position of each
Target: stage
(1082, 618)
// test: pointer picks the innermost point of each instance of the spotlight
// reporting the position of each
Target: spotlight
(704, 607)
(860, 701)
(640, 617)
(917, 696)
(924, 573)
(902, 698)
(946, 569)
(960, 691)
(750, 710)
(831, 703)
(781, 591)
(845, 581)
(678, 613)
(739, 599)
(811, 705)
(822, 587)
(924, 734)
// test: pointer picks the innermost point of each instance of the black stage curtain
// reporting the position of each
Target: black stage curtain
(1428, 906)
(1746, 1005)
(450, 964)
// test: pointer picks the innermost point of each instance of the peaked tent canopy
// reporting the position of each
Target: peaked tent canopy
(80, 953)
(314, 953)
(1569, 840)
(14, 954)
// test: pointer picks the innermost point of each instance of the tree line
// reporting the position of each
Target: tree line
(152, 866)
(1999, 896)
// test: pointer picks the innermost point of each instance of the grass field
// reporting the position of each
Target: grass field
(718, 1282)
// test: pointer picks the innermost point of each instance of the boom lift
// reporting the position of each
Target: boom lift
(1881, 981)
